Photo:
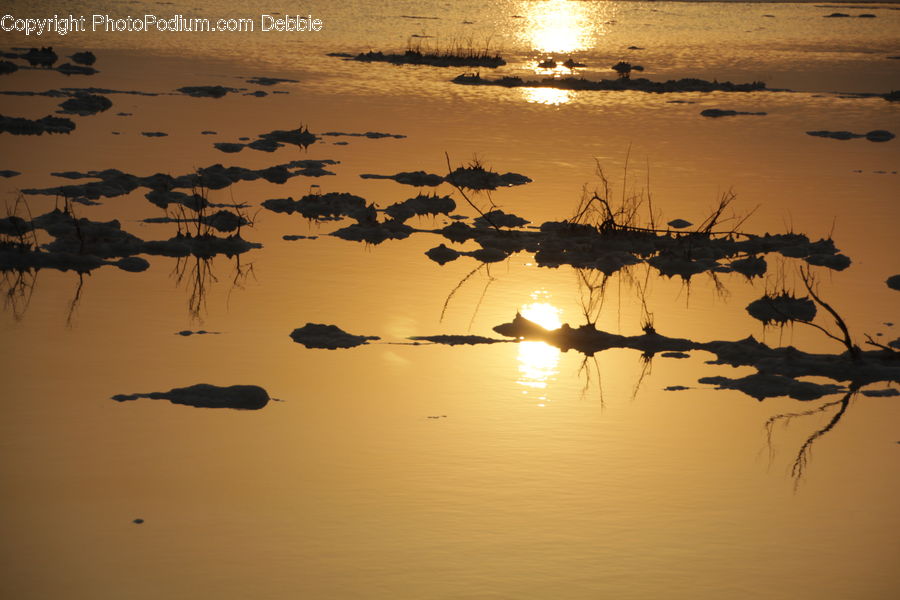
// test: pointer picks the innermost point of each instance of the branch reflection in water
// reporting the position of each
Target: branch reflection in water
(196, 273)
(798, 467)
(17, 287)
(781, 372)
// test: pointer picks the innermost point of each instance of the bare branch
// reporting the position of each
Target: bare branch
(808, 281)
(872, 342)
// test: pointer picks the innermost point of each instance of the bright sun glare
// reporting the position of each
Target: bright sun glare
(537, 360)
(549, 96)
(563, 26)
(544, 314)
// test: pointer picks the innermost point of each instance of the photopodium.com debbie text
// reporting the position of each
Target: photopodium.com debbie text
(152, 23)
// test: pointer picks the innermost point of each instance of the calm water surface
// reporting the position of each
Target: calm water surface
(550, 476)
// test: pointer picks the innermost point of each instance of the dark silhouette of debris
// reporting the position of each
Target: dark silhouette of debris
(203, 395)
(329, 337)
(48, 124)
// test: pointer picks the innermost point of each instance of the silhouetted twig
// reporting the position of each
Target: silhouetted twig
(809, 282)
(450, 180)
(455, 289)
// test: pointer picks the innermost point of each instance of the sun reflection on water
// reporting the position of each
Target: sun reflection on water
(538, 361)
(563, 26)
(550, 96)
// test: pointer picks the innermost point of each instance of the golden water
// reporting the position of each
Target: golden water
(548, 478)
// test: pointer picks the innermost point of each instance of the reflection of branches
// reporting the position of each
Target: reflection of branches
(459, 285)
(198, 273)
(592, 289)
(242, 274)
(19, 235)
(786, 419)
(686, 288)
(200, 277)
(586, 369)
(76, 300)
(721, 290)
(803, 454)
(17, 286)
(487, 284)
(799, 466)
(646, 369)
